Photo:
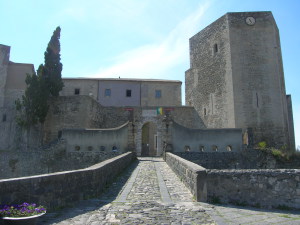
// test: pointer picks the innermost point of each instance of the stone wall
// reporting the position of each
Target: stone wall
(208, 82)
(260, 188)
(236, 77)
(52, 159)
(64, 188)
(69, 112)
(258, 79)
(211, 140)
(245, 159)
(192, 175)
(4, 60)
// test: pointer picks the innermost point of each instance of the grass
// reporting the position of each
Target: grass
(284, 207)
(215, 200)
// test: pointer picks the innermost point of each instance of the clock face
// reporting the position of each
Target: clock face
(250, 20)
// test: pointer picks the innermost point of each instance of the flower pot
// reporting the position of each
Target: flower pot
(28, 220)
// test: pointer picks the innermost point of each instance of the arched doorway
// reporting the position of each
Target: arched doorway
(149, 139)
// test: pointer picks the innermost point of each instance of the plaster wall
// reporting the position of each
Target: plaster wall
(96, 139)
(211, 140)
(86, 87)
(118, 93)
(170, 93)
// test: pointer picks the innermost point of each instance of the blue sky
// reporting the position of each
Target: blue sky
(136, 38)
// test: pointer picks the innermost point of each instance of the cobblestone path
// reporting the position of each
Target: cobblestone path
(149, 192)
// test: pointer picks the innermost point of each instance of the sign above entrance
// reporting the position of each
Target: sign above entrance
(149, 113)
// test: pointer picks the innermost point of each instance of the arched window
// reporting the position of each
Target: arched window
(229, 148)
(187, 148)
(201, 148)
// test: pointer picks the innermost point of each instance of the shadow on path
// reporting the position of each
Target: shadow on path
(108, 195)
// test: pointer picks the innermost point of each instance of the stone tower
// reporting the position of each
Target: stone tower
(236, 78)
(4, 60)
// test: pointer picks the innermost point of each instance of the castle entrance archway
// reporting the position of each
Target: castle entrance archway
(149, 139)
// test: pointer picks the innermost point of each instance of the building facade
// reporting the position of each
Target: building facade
(126, 92)
(236, 78)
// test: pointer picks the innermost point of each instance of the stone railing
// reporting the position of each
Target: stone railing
(262, 188)
(277, 188)
(191, 174)
(60, 189)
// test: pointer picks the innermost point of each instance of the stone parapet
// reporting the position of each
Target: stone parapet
(63, 188)
(191, 174)
(259, 188)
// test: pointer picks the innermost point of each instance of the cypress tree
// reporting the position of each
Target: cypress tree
(33, 106)
(53, 67)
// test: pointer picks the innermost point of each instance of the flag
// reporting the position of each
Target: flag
(159, 111)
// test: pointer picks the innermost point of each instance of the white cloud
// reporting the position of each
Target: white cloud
(155, 60)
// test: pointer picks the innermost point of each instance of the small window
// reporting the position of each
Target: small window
(214, 148)
(77, 91)
(102, 148)
(229, 148)
(107, 92)
(59, 134)
(187, 148)
(201, 148)
(128, 93)
(4, 118)
(157, 93)
(216, 48)
(204, 111)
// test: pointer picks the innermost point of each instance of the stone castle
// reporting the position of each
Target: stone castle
(235, 96)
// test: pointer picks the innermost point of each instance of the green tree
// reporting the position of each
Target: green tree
(53, 67)
(33, 106)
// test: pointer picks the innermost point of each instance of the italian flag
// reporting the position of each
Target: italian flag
(159, 111)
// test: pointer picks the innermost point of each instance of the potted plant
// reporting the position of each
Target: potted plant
(25, 214)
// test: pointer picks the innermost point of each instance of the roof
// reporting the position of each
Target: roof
(122, 79)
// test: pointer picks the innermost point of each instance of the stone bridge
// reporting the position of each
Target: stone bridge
(149, 190)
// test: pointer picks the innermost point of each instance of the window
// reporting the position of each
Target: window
(77, 91)
(201, 148)
(214, 148)
(204, 111)
(157, 93)
(107, 92)
(216, 48)
(128, 93)
(187, 148)
(229, 148)
(4, 118)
